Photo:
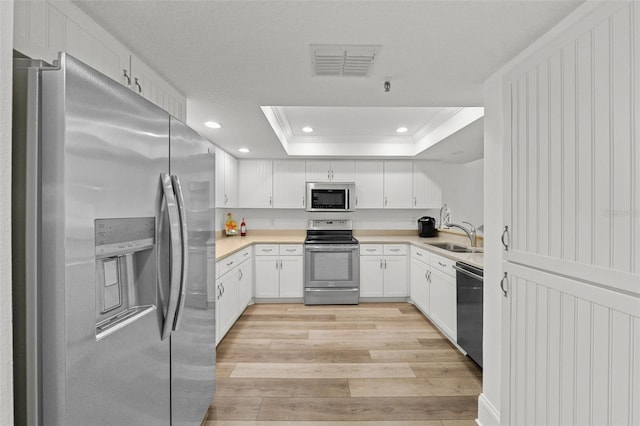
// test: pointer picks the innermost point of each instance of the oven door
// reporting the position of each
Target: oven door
(331, 266)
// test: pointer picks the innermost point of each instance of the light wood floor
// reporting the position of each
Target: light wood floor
(384, 364)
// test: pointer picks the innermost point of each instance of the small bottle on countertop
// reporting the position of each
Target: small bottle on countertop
(243, 228)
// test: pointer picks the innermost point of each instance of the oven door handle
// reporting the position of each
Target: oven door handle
(322, 290)
(331, 247)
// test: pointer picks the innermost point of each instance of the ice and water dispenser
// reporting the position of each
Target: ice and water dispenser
(125, 271)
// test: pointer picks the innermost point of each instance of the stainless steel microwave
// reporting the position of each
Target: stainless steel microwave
(331, 197)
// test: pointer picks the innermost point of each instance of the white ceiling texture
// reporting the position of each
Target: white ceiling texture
(249, 65)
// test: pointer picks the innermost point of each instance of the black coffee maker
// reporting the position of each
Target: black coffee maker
(427, 227)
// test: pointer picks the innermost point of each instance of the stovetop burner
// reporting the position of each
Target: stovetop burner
(330, 232)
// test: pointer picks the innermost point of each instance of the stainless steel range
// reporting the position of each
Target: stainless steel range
(331, 263)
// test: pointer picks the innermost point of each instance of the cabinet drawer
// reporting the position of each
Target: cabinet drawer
(244, 254)
(225, 265)
(291, 250)
(395, 249)
(443, 264)
(420, 254)
(371, 249)
(267, 249)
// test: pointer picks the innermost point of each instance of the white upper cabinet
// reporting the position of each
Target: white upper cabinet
(255, 183)
(427, 193)
(289, 184)
(330, 171)
(226, 179)
(152, 87)
(398, 184)
(369, 179)
(42, 29)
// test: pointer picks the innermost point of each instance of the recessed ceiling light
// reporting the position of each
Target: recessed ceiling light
(402, 130)
(245, 150)
(307, 129)
(213, 124)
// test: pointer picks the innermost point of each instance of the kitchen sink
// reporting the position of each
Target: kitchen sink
(456, 248)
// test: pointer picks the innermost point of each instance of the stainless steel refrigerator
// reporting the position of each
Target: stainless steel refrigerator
(113, 210)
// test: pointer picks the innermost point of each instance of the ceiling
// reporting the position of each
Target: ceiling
(231, 58)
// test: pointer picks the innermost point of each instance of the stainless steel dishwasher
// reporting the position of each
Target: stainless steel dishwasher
(469, 283)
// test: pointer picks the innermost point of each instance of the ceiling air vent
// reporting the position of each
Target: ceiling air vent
(343, 60)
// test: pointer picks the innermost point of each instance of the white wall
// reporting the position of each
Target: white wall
(6, 353)
(462, 186)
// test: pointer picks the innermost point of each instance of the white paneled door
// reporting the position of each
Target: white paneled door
(572, 260)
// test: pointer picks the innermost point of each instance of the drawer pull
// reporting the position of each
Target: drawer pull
(442, 264)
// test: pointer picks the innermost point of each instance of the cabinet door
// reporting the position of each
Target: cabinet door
(442, 301)
(343, 171)
(245, 284)
(395, 276)
(318, 170)
(231, 180)
(371, 276)
(218, 302)
(420, 285)
(291, 276)
(369, 179)
(427, 193)
(267, 271)
(398, 186)
(39, 30)
(289, 184)
(255, 183)
(228, 299)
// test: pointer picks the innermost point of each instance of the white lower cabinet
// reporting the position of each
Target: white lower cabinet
(233, 289)
(279, 271)
(383, 270)
(442, 295)
(420, 279)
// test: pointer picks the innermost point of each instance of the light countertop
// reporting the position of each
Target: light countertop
(226, 246)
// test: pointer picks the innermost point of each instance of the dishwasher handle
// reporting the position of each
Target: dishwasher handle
(468, 273)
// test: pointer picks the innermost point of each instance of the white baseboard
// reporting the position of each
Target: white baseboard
(487, 413)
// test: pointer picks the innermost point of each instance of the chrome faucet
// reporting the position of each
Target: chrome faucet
(471, 233)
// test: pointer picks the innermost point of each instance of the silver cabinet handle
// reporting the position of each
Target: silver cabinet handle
(442, 264)
(230, 263)
(415, 202)
(380, 263)
(281, 264)
(385, 200)
(169, 207)
(385, 264)
(226, 199)
(328, 174)
(505, 233)
(137, 83)
(418, 253)
(276, 264)
(126, 75)
(370, 249)
(303, 201)
(241, 274)
(356, 200)
(331, 174)
(291, 250)
(394, 249)
(266, 250)
(426, 275)
(505, 278)
(222, 285)
(270, 200)
(185, 249)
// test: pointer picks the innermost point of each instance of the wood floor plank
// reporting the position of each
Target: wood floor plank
(304, 325)
(298, 388)
(307, 356)
(445, 369)
(252, 344)
(369, 334)
(338, 345)
(340, 409)
(332, 423)
(442, 386)
(287, 317)
(416, 355)
(224, 369)
(234, 408)
(236, 333)
(322, 371)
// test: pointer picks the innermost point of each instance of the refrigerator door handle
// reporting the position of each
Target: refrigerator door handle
(170, 205)
(185, 250)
